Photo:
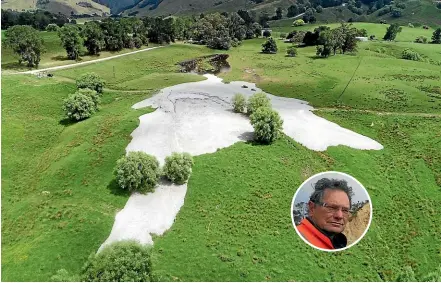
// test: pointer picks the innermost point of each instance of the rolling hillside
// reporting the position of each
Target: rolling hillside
(66, 7)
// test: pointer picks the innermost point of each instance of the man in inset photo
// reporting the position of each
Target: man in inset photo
(328, 213)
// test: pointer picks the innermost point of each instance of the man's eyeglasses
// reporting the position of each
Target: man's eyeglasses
(330, 208)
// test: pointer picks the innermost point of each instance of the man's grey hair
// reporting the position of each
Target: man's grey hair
(331, 184)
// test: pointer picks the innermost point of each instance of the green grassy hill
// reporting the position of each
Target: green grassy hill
(58, 6)
(59, 196)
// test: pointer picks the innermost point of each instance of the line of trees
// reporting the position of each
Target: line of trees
(38, 19)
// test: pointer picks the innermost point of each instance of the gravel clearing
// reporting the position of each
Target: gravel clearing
(197, 118)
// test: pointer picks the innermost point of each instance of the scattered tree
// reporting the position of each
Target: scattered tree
(123, 261)
(266, 33)
(291, 51)
(279, 13)
(71, 41)
(91, 81)
(239, 103)
(298, 22)
(392, 31)
(410, 54)
(256, 101)
(293, 10)
(79, 106)
(421, 39)
(267, 125)
(137, 171)
(93, 37)
(436, 37)
(26, 42)
(270, 46)
(178, 167)
(52, 27)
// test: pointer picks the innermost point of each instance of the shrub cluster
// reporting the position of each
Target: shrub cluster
(291, 51)
(178, 167)
(124, 261)
(410, 54)
(239, 103)
(421, 39)
(137, 171)
(85, 101)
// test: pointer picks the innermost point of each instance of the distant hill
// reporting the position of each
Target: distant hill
(66, 7)
(117, 6)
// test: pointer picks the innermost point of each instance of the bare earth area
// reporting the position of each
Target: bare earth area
(358, 224)
(198, 118)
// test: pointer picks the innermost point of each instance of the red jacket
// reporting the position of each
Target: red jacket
(314, 236)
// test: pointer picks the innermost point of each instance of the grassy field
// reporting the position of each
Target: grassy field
(59, 197)
(54, 55)
(56, 6)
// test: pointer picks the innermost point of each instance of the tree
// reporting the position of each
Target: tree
(177, 167)
(270, 46)
(293, 10)
(319, 9)
(91, 81)
(309, 17)
(52, 27)
(123, 261)
(257, 29)
(239, 103)
(162, 30)
(279, 13)
(264, 18)
(421, 39)
(26, 42)
(409, 54)
(93, 37)
(267, 125)
(137, 171)
(246, 16)
(436, 37)
(236, 27)
(113, 34)
(79, 106)
(291, 51)
(392, 31)
(213, 31)
(266, 33)
(71, 41)
(256, 101)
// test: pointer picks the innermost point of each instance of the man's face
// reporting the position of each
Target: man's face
(331, 217)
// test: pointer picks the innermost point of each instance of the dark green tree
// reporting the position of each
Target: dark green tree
(293, 10)
(93, 37)
(392, 31)
(270, 46)
(26, 42)
(71, 41)
(436, 37)
(279, 13)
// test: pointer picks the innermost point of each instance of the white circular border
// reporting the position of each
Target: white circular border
(345, 175)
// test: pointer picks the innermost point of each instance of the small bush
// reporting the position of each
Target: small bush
(291, 51)
(410, 25)
(283, 35)
(92, 81)
(298, 23)
(256, 101)
(63, 275)
(270, 46)
(319, 9)
(124, 261)
(79, 106)
(421, 39)
(406, 275)
(52, 27)
(409, 54)
(266, 33)
(239, 103)
(137, 171)
(267, 125)
(177, 167)
(438, 5)
(137, 42)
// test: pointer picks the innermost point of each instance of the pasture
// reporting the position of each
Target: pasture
(59, 196)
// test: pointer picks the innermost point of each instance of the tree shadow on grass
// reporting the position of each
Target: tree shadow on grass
(316, 57)
(115, 189)
(16, 66)
(66, 122)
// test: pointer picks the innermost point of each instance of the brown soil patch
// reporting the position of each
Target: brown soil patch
(358, 224)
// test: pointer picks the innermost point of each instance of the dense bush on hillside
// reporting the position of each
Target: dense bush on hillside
(178, 167)
(239, 103)
(298, 23)
(137, 171)
(79, 106)
(26, 42)
(410, 54)
(256, 101)
(267, 125)
(124, 261)
(91, 81)
(421, 39)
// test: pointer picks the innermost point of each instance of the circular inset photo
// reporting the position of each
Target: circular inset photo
(331, 211)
